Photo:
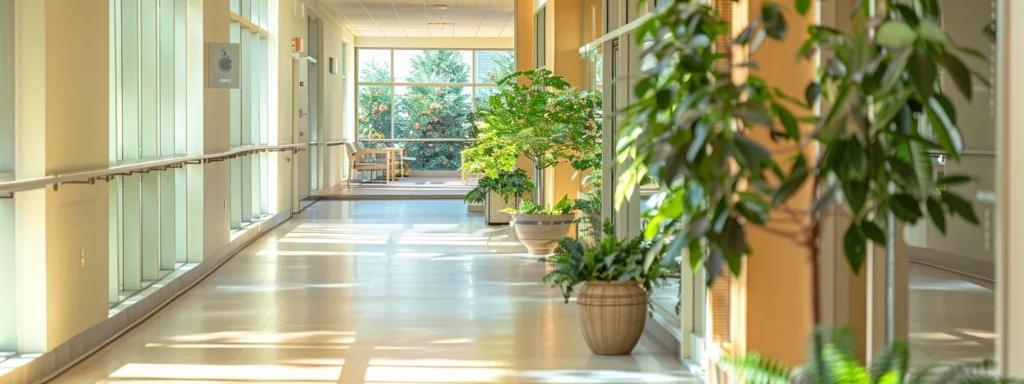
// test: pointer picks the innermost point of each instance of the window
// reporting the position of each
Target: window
(424, 100)
(8, 331)
(539, 37)
(249, 112)
(147, 218)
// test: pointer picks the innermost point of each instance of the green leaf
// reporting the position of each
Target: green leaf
(774, 22)
(905, 207)
(812, 93)
(753, 207)
(895, 34)
(754, 153)
(922, 71)
(802, 6)
(895, 69)
(856, 192)
(701, 130)
(908, 14)
(931, 31)
(960, 74)
(855, 247)
(788, 121)
(945, 128)
(873, 232)
(923, 169)
(825, 200)
(952, 180)
(797, 177)
(960, 206)
(735, 239)
(935, 211)
(744, 37)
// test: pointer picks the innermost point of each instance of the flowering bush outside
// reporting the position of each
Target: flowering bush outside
(431, 111)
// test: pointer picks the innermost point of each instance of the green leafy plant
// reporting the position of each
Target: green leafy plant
(693, 129)
(832, 360)
(610, 259)
(542, 118)
(528, 207)
(509, 185)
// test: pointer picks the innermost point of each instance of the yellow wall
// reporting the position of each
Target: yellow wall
(774, 314)
(76, 131)
(216, 138)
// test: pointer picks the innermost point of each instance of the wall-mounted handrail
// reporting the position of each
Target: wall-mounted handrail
(420, 140)
(91, 176)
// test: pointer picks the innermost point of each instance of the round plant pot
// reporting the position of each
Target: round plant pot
(540, 233)
(612, 315)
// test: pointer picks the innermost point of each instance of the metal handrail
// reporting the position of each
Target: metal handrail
(421, 140)
(90, 177)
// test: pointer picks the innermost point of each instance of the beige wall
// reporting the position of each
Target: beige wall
(333, 120)
(216, 136)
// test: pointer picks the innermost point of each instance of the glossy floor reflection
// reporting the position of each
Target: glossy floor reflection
(952, 317)
(376, 292)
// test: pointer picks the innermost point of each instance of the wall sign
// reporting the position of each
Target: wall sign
(225, 66)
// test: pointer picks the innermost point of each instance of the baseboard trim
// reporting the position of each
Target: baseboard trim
(53, 363)
(662, 332)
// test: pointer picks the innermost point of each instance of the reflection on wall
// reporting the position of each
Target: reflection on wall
(967, 247)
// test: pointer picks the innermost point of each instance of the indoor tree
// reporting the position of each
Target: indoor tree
(693, 130)
(702, 134)
(542, 118)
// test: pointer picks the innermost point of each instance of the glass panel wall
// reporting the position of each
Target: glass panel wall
(8, 337)
(249, 112)
(424, 101)
(145, 209)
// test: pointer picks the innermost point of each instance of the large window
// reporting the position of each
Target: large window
(249, 112)
(425, 100)
(147, 80)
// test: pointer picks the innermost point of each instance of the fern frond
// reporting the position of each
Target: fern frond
(756, 369)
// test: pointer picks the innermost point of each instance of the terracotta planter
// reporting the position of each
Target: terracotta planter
(612, 315)
(540, 233)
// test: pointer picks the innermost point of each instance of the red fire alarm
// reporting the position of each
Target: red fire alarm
(297, 44)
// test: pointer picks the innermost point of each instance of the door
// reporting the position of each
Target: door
(301, 130)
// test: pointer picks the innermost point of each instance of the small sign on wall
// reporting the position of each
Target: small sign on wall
(333, 65)
(225, 66)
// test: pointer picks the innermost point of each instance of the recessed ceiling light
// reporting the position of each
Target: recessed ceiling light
(440, 6)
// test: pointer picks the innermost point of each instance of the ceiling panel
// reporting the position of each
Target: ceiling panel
(410, 18)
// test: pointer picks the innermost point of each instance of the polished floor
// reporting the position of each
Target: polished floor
(374, 292)
(952, 317)
(416, 187)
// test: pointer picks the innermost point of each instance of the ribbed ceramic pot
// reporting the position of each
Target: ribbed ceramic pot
(540, 233)
(612, 315)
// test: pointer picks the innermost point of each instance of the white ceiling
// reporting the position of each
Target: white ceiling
(424, 18)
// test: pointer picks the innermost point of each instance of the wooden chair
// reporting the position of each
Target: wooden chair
(361, 159)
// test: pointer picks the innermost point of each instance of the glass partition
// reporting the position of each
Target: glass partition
(424, 101)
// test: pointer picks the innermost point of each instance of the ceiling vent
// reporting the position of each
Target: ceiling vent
(440, 6)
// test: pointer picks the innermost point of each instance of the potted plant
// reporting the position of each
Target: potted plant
(508, 186)
(833, 360)
(543, 119)
(540, 228)
(617, 276)
(588, 225)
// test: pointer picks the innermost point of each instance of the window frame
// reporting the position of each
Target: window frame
(473, 85)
